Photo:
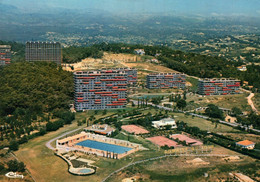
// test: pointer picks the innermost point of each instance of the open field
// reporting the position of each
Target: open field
(177, 169)
(110, 60)
(227, 101)
(148, 67)
(193, 82)
(204, 124)
(239, 137)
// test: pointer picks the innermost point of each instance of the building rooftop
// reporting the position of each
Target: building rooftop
(219, 79)
(103, 129)
(104, 70)
(5, 46)
(72, 137)
(245, 143)
(153, 74)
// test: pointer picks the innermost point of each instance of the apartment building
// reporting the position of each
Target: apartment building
(165, 80)
(43, 51)
(216, 86)
(5, 55)
(102, 89)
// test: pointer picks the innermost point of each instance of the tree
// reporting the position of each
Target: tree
(14, 165)
(214, 112)
(13, 145)
(104, 112)
(181, 104)
(133, 104)
(236, 111)
(184, 95)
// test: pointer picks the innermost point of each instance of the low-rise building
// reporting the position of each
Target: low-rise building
(165, 80)
(103, 129)
(164, 122)
(218, 86)
(242, 68)
(246, 144)
(139, 51)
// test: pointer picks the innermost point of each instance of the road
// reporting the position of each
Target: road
(48, 144)
(249, 100)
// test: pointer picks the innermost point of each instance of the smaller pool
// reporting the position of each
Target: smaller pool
(85, 171)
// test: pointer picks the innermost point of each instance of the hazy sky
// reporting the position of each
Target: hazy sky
(201, 7)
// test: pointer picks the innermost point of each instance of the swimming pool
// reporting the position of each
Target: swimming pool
(85, 170)
(104, 146)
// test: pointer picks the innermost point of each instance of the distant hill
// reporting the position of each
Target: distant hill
(4, 8)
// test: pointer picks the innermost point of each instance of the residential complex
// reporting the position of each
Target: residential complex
(215, 86)
(43, 51)
(5, 55)
(165, 80)
(102, 89)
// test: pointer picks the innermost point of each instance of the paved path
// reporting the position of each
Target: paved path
(164, 156)
(250, 102)
(48, 144)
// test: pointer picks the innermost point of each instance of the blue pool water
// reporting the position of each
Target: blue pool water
(85, 171)
(104, 146)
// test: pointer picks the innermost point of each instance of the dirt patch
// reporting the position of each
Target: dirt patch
(115, 61)
(197, 161)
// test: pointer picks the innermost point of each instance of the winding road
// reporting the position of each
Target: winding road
(48, 144)
(250, 102)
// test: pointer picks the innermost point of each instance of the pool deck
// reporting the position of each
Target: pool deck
(76, 171)
(71, 144)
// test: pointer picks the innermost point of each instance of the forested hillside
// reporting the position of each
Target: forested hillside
(190, 63)
(39, 87)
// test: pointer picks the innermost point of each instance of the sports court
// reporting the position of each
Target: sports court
(187, 139)
(134, 129)
(162, 141)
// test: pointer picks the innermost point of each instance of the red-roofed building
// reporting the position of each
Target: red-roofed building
(246, 144)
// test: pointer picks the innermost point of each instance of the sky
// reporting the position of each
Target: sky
(198, 7)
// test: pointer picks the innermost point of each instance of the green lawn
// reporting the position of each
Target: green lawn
(194, 83)
(203, 124)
